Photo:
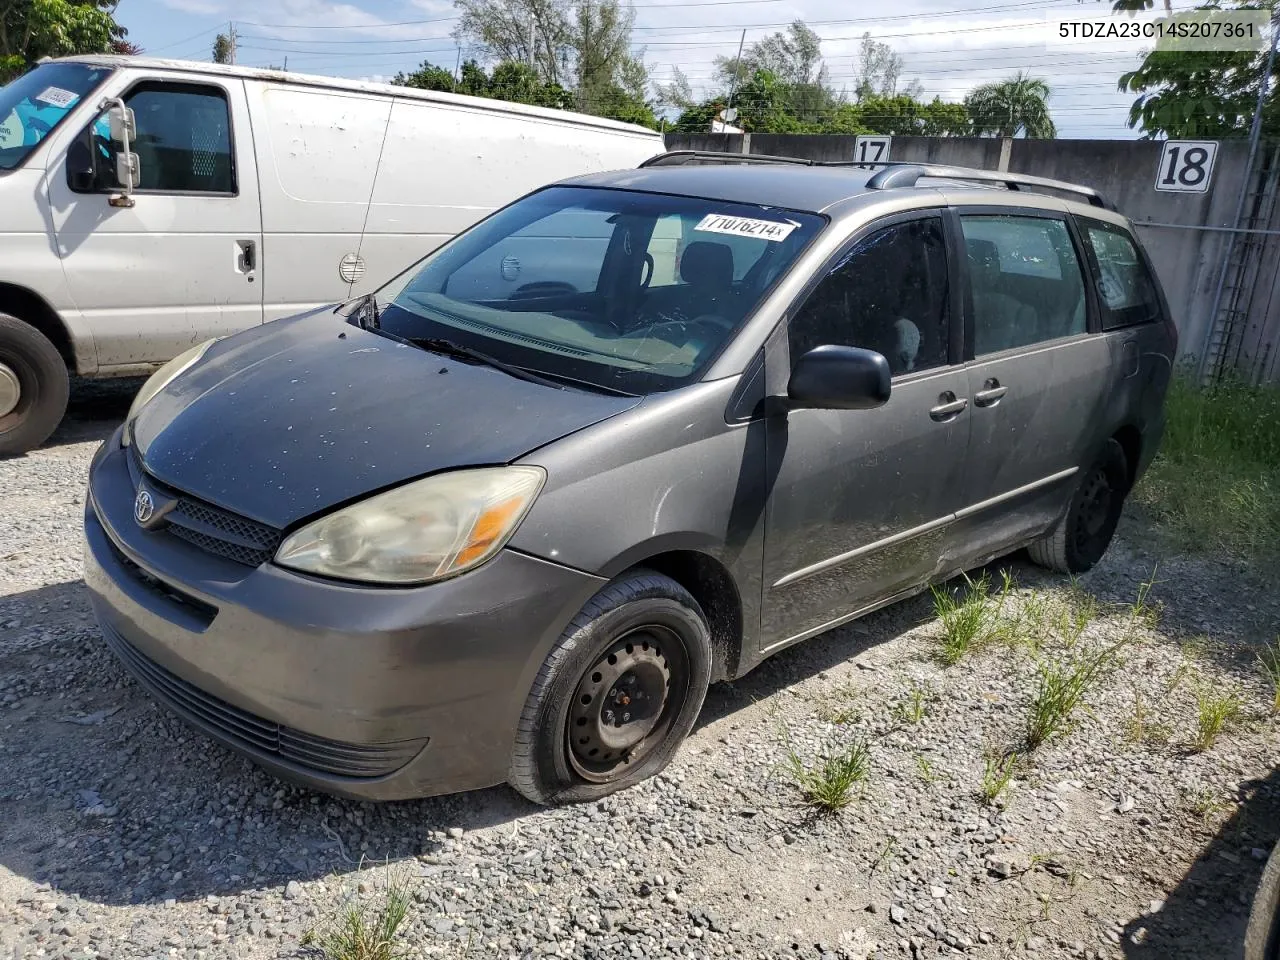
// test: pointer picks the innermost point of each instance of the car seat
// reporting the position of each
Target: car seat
(1000, 321)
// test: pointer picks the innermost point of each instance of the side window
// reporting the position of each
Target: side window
(1125, 287)
(1026, 281)
(183, 141)
(889, 294)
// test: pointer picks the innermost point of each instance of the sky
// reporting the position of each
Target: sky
(949, 46)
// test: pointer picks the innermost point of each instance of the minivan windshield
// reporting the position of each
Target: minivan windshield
(35, 103)
(617, 289)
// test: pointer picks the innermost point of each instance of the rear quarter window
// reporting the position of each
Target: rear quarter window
(1126, 290)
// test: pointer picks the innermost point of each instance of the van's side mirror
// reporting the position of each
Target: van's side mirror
(124, 129)
(128, 168)
(839, 378)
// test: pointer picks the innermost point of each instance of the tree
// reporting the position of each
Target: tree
(601, 41)
(793, 61)
(534, 32)
(1191, 94)
(430, 77)
(516, 82)
(878, 69)
(678, 93)
(223, 52)
(31, 29)
(1013, 106)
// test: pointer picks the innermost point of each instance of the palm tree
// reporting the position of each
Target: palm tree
(1019, 104)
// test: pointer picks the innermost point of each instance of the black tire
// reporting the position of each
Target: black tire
(43, 383)
(658, 630)
(1082, 537)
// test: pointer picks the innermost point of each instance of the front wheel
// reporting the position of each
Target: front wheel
(33, 387)
(617, 694)
(1084, 534)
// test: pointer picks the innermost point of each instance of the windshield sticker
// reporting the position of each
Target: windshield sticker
(745, 227)
(57, 97)
(11, 132)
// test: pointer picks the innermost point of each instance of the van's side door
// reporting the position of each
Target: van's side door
(860, 500)
(182, 263)
(1039, 378)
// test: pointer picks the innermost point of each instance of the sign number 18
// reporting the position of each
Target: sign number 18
(1186, 166)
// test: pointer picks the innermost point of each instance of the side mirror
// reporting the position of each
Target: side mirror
(124, 130)
(128, 169)
(840, 378)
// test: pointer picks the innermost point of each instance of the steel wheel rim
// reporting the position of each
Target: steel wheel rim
(1094, 514)
(10, 390)
(625, 703)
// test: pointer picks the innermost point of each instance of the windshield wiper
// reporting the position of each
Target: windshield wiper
(449, 348)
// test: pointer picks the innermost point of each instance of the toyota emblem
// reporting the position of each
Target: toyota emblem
(144, 507)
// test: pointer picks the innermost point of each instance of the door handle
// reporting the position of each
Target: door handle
(247, 259)
(948, 407)
(990, 393)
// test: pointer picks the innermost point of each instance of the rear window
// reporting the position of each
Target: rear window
(1126, 291)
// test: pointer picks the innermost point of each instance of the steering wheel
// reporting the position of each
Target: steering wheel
(647, 275)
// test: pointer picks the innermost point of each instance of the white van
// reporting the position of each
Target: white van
(148, 205)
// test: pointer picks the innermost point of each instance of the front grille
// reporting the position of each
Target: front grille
(242, 730)
(212, 529)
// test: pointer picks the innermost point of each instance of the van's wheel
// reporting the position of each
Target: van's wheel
(1082, 537)
(33, 387)
(616, 695)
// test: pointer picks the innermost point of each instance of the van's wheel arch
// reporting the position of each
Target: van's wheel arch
(1082, 536)
(34, 386)
(617, 694)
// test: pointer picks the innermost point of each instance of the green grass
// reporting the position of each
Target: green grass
(1215, 712)
(1269, 660)
(364, 932)
(1060, 687)
(829, 786)
(1216, 484)
(914, 708)
(967, 619)
(997, 774)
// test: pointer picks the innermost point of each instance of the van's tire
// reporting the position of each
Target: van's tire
(1083, 535)
(32, 365)
(657, 637)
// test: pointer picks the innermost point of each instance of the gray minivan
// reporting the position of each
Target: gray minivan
(507, 519)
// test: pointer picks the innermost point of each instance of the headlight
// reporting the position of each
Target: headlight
(426, 530)
(161, 379)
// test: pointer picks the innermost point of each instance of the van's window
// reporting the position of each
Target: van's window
(888, 294)
(567, 282)
(35, 103)
(1125, 288)
(1026, 281)
(183, 140)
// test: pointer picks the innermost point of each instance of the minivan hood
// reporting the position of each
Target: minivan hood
(300, 415)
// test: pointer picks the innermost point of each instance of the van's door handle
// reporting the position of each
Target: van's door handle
(948, 407)
(247, 261)
(990, 393)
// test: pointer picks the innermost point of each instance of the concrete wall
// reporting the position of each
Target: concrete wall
(1171, 225)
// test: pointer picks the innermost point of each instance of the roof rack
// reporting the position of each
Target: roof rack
(905, 173)
(675, 158)
(895, 173)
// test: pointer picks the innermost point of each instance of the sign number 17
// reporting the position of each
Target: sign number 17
(871, 149)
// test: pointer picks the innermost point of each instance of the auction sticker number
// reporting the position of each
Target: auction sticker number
(871, 149)
(1186, 166)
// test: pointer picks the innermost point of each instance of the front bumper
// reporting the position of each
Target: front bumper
(373, 693)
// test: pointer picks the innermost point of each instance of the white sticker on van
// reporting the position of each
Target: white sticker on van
(745, 227)
(57, 97)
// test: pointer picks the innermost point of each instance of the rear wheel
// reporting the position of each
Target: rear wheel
(1084, 534)
(33, 387)
(617, 695)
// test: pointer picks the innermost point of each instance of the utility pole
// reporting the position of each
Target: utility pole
(457, 66)
(231, 38)
(532, 27)
(737, 68)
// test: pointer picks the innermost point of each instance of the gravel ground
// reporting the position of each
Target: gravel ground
(123, 834)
